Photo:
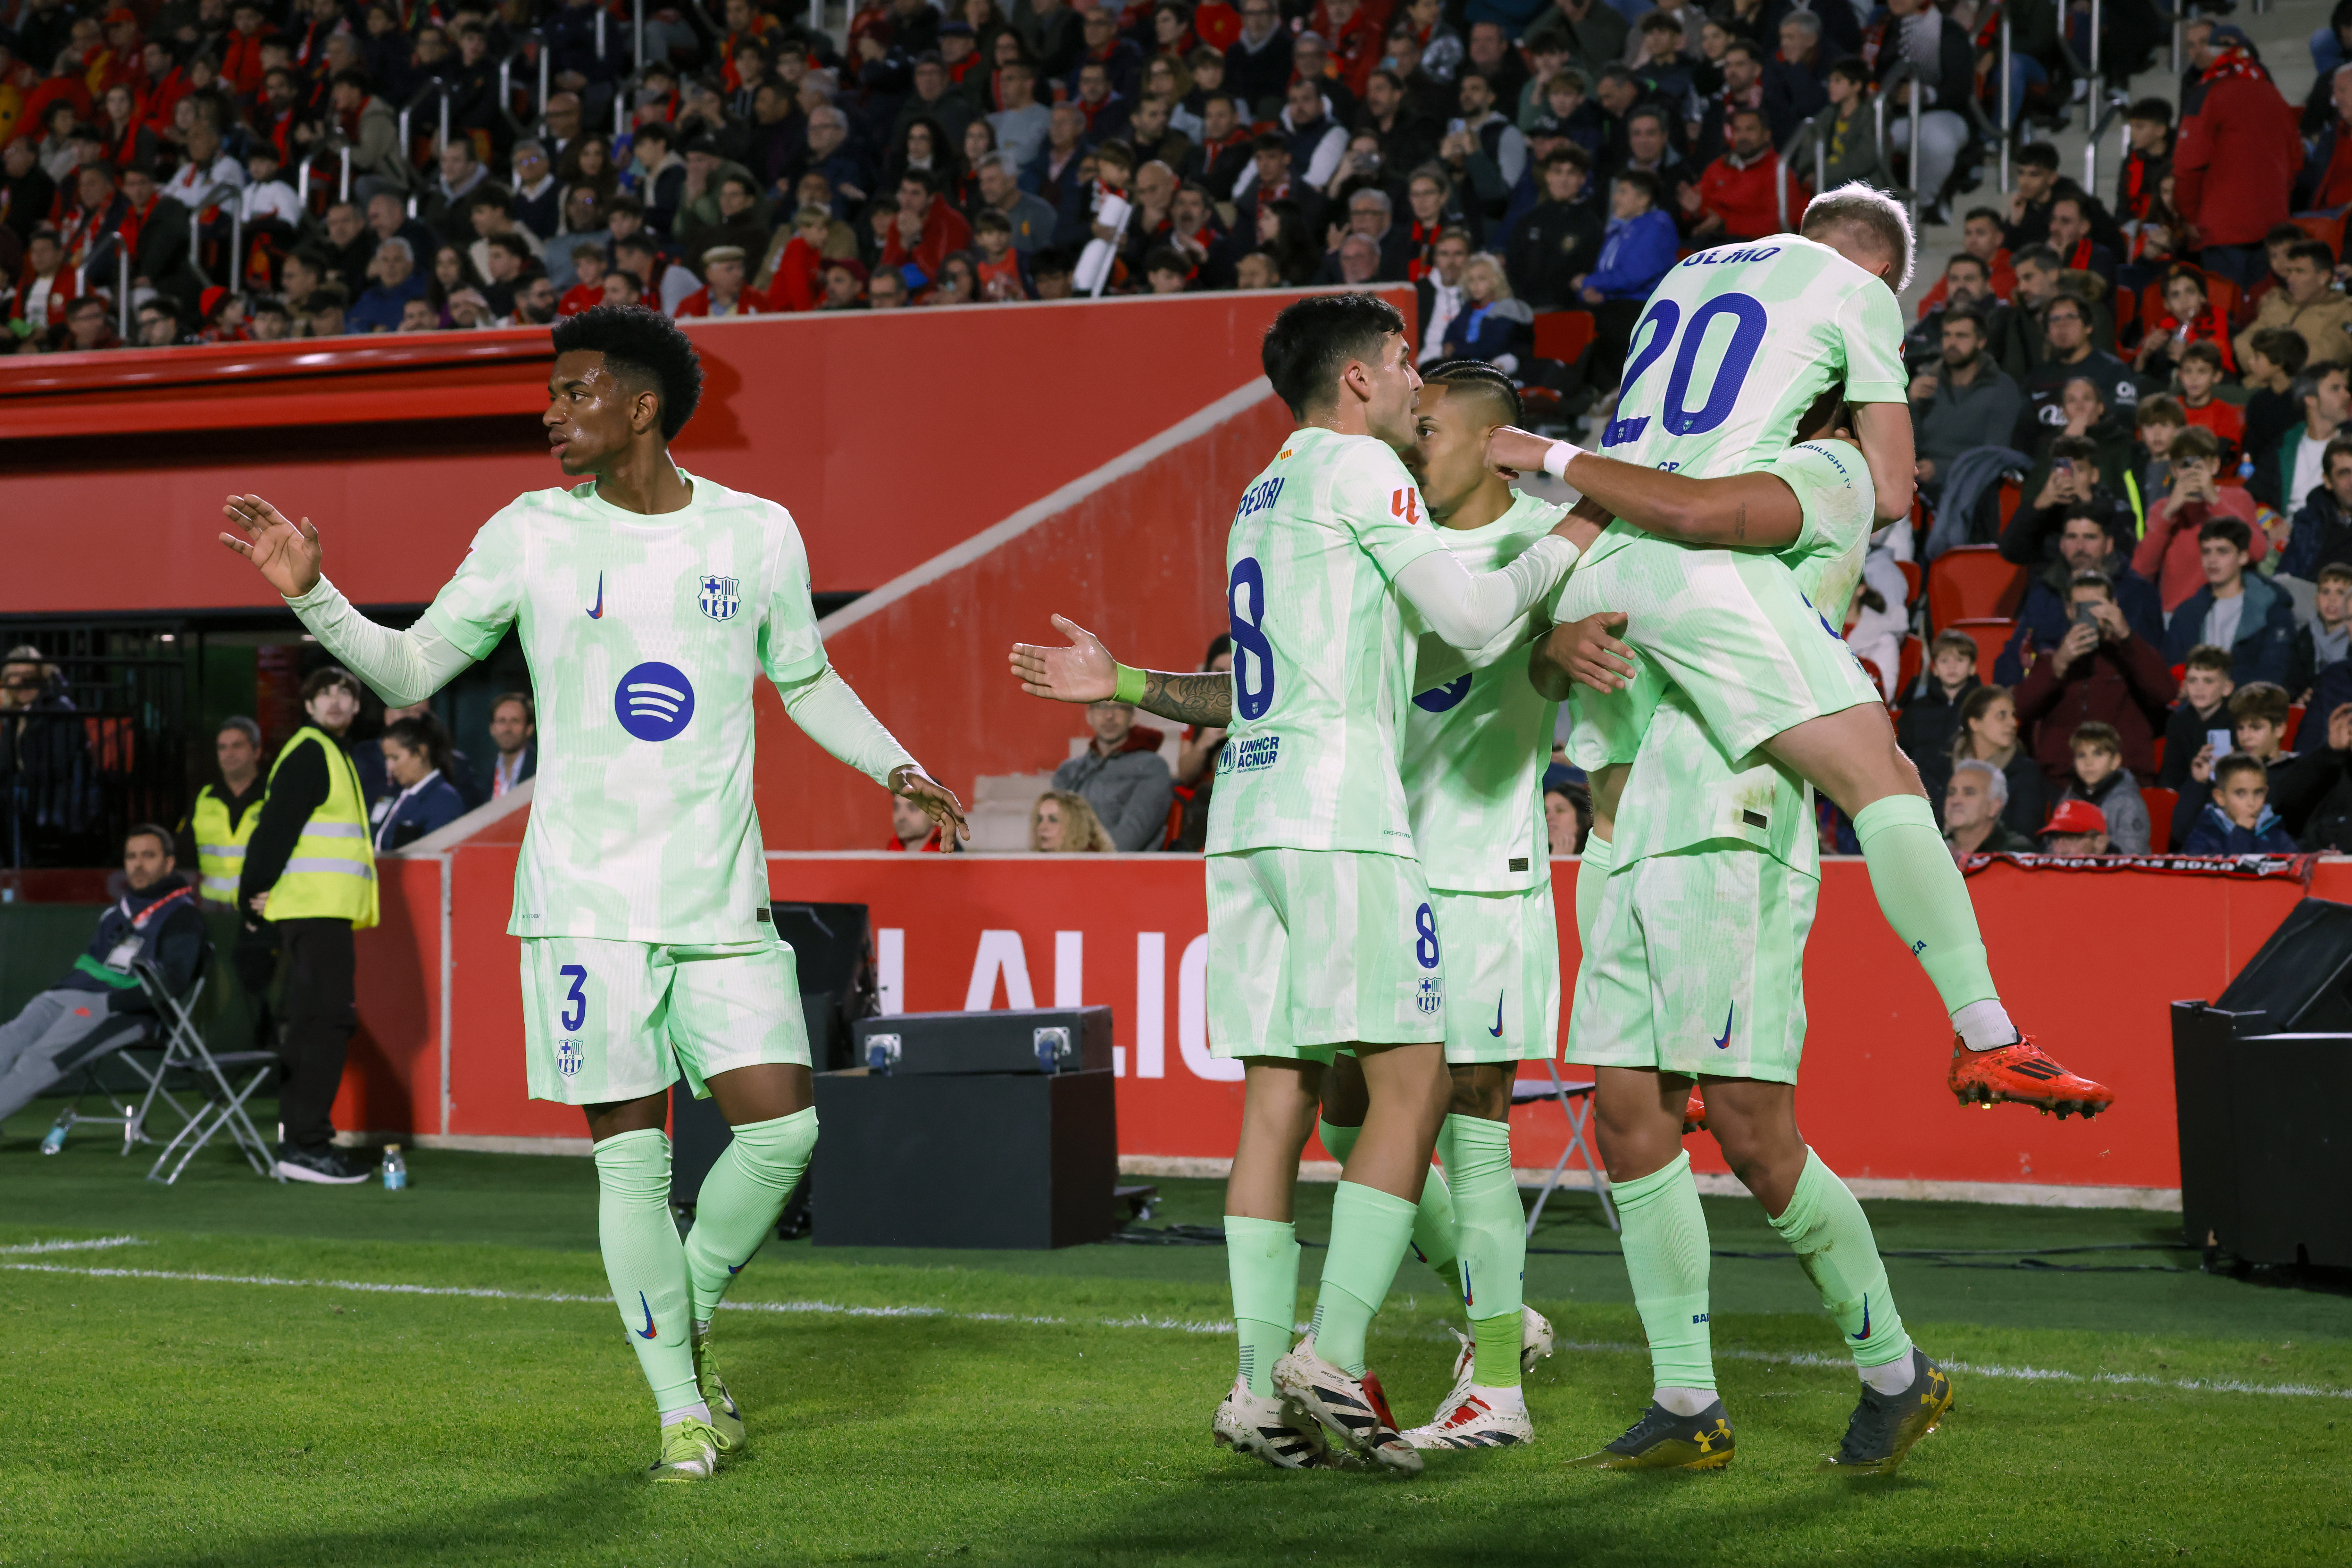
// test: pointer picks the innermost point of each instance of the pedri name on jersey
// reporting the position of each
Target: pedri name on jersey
(1257, 498)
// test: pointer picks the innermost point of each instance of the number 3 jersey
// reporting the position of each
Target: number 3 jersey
(1322, 667)
(1735, 344)
(645, 635)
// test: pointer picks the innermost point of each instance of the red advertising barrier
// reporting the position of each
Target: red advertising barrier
(2088, 962)
(892, 435)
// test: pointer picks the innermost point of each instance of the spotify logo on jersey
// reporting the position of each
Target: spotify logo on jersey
(654, 701)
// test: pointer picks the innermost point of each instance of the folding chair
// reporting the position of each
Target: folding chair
(1576, 1104)
(214, 1077)
(132, 1121)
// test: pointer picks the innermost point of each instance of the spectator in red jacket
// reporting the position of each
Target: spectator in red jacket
(240, 48)
(1739, 191)
(722, 292)
(587, 291)
(2168, 554)
(926, 228)
(2238, 156)
(2326, 182)
(2101, 671)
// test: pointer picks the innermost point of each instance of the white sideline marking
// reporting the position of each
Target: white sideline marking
(100, 1245)
(1136, 1321)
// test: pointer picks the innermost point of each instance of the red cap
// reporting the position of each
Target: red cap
(2076, 816)
(209, 300)
(848, 264)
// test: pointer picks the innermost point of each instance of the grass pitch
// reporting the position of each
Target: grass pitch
(304, 1375)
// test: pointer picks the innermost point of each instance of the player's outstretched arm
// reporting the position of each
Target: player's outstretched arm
(402, 668)
(832, 715)
(1750, 510)
(1084, 671)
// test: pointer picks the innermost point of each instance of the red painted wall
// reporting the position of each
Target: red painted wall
(2088, 962)
(891, 436)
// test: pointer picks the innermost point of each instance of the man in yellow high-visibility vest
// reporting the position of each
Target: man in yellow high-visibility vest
(310, 872)
(221, 822)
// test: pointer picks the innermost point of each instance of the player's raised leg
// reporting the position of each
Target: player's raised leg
(1904, 1393)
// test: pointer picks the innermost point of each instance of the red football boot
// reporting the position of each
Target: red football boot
(2022, 1075)
(1694, 1113)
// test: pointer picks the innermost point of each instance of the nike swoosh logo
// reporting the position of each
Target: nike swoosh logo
(1725, 1043)
(735, 1269)
(598, 613)
(1865, 1318)
(1498, 1030)
(648, 1332)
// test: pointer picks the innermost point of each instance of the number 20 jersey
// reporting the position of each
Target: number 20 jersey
(1736, 344)
(1322, 667)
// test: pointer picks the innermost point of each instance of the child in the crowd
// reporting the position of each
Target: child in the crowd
(2206, 684)
(1000, 264)
(1925, 729)
(588, 293)
(2324, 642)
(2273, 356)
(2159, 421)
(2240, 821)
(2189, 319)
(2101, 779)
(2201, 365)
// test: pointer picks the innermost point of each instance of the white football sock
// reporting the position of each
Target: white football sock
(1985, 1026)
(1686, 1401)
(698, 1410)
(1511, 1400)
(1889, 1377)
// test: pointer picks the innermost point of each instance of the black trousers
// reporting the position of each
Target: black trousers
(318, 1015)
(1613, 321)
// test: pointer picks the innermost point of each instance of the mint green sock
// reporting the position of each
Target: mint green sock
(741, 1199)
(1925, 899)
(1592, 881)
(646, 1262)
(1369, 1230)
(1433, 1234)
(1832, 1238)
(1667, 1256)
(1491, 1225)
(1262, 1262)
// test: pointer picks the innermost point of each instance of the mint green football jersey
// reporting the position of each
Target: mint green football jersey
(1685, 789)
(645, 637)
(1322, 667)
(1475, 746)
(1735, 344)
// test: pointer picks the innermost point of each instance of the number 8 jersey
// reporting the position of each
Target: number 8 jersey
(1736, 344)
(1322, 669)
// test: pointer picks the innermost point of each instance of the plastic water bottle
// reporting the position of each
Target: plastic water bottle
(396, 1169)
(55, 1138)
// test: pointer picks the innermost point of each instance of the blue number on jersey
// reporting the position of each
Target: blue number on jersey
(577, 1014)
(1253, 655)
(1425, 947)
(1665, 318)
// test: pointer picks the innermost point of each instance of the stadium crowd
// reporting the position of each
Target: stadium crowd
(2135, 395)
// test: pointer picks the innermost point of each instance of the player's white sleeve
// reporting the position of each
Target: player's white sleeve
(400, 668)
(1470, 612)
(830, 713)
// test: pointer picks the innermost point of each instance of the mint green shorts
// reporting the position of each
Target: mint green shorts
(1502, 952)
(1314, 949)
(604, 1021)
(1697, 966)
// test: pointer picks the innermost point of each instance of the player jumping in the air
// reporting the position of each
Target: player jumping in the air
(1694, 969)
(649, 602)
(1710, 392)
(1322, 932)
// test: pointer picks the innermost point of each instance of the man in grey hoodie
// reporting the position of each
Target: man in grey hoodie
(1122, 776)
(1961, 402)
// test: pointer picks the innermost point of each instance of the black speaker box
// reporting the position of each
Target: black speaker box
(993, 1160)
(1016, 1041)
(2266, 1151)
(2301, 977)
(833, 951)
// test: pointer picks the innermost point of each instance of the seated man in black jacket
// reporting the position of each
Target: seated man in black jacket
(99, 1006)
(2045, 615)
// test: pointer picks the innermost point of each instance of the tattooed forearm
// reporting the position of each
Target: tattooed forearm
(1205, 698)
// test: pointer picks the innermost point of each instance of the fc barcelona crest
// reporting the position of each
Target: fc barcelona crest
(719, 598)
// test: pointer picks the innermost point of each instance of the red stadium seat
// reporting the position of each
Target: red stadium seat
(2158, 749)
(2012, 495)
(1972, 581)
(1915, 659)
(2127, 312)
(1563, 335)
(1991, 634)
(2161, 803)
(2328, 231)
(2293, 722)
(1912, 577)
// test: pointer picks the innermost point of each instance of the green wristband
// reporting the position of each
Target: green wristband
(1130, 687)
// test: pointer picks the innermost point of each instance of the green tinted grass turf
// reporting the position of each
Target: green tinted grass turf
(156, 1421)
